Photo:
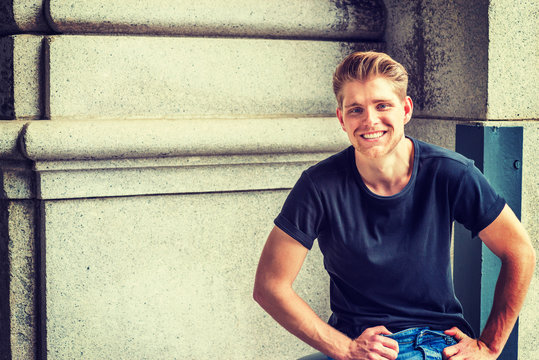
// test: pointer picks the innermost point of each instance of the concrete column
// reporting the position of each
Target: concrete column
(475, 62)
(177, 129)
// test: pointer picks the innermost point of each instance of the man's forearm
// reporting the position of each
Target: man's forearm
(295, 315)
(511, 288)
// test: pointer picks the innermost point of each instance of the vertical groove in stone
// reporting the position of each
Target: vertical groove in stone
(7, 20)
(419, 37)
(5, 313)
(45, 78)
(7, 99)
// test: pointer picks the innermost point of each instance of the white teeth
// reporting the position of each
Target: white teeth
(373, 135)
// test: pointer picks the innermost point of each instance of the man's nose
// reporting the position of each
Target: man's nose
(371, 116)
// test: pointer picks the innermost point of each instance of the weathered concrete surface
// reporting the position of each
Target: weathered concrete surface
(10, 132)
(444, 46)
(18, 315)
(166, 277)
(16, 180)
(22, 16)
(315, 19)
(20, 76)
(16, 177)
(172, 156)
(153, 273)
(129, 77)
(7, 99)
(513, 60)
(158, 77)
(109, 139)
(171, 177)
(469, 60)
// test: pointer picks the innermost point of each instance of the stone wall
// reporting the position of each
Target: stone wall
(145, 150)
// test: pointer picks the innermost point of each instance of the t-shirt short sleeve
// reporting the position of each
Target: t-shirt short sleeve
(302, 213)
(477, 204)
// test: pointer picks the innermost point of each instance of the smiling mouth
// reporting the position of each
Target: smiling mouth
(373, 135)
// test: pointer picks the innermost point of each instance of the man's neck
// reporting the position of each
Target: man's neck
(387, 175)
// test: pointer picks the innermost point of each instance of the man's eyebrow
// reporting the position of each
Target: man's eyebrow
(376, 101)
(382, 100)
(351, 105)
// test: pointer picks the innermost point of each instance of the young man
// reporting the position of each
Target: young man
(382, 211)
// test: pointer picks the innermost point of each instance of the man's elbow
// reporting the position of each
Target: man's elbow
(258, 293)
(533, 257)
(525, 256)
(267, 294)
(261, 293)
(530, 255)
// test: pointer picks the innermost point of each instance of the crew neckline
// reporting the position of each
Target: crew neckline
(403, 192)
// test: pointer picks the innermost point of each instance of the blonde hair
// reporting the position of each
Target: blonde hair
(362, 66)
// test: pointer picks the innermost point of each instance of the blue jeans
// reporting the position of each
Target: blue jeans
(421, 344)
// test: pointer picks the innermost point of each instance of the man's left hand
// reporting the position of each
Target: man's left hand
(467, 348)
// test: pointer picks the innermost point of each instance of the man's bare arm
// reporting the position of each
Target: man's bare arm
(279, 265)
(508, 240)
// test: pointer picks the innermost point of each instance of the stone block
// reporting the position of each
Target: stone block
(444, 46)
(20, 64)
(316, 19)
(19, 16)
(472, 61)
(166, 277)
(16, 180)
(513, 60)
(170, 178)
(118, 139)
(10, 132)
(121, 158)
(434, 131)
(149, 77)
(18, 312)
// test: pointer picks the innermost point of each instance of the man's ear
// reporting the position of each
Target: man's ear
(339, 116)
(408, 109)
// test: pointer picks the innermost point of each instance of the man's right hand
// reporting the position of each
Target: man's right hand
(372, 345)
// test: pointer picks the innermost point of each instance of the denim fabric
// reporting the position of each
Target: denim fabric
(421, 344)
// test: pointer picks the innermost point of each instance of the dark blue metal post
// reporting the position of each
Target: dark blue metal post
(497, 152)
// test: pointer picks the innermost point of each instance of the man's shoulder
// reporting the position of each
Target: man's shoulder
(431, 152)
(334, 164)
(330, 172)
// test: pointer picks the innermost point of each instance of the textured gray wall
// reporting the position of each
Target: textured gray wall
(128, 274)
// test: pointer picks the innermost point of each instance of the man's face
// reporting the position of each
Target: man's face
(373, 116)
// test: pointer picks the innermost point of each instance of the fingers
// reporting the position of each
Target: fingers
(377, 331)
(382, 346)
(449, 352)
(380, 330)
(386, 352)
(460, 350)
(456, 333)
(389, 343)
(377, 350)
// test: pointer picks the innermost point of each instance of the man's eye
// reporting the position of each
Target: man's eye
(383, 106)
(356, 111)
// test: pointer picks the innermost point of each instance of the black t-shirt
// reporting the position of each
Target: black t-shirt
(388, 258)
